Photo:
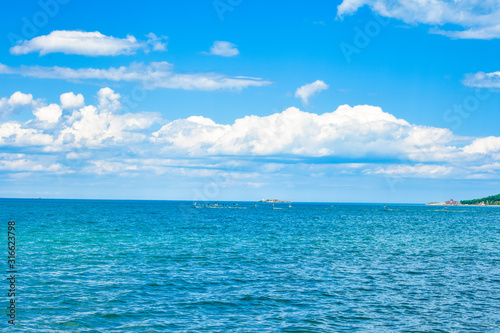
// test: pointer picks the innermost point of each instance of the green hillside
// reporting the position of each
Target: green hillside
(491, 200)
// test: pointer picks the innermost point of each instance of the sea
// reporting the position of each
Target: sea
(173, 266)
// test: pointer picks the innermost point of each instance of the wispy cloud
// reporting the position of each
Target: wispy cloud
(23, 163)
(157, 43)
(223, 49)
(87, 44)
(418, 170)
(308, 90)
(482, 80)
(151, 76)
(479, 19)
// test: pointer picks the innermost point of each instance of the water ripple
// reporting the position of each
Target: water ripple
(113, 266)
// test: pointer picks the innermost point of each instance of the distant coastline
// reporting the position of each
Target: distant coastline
(493, 200)
(458, 204)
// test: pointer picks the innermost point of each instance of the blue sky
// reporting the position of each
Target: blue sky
(358, 101)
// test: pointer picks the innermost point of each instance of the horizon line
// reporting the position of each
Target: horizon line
(222, 200)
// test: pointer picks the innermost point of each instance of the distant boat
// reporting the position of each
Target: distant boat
(216, 205)
(289, 206)
(274, 201)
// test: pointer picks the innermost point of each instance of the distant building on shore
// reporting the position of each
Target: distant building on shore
(452, 202)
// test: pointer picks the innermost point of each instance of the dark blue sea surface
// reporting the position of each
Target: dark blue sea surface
(160, 266)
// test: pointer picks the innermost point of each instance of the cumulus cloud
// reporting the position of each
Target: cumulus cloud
(49, 114)
(16, 100)
(479, 19)
(13, 133)
(86, 43)
(362, 140)
(86, 126)
(482, 80)
(487, 145)
(154, 75)
(308, 90)
(348, 132)
(99, 125)
(98, 128)
(108, 99)
(71, 101)
(224, 49)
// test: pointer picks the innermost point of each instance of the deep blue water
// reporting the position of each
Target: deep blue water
(159, 266)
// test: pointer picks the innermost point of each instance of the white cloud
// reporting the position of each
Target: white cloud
(73, 155)
(4, 69)
(99, 125)
(480, 19)
(12, 133)
(224, 49)
(108, 99)
(16, 100)
(28, 163)
(308, 90)
(49, 114)
(482, 80)
(92, 126)
(86, 43)
(71, 101)
(349, 132)
(487, 145)
(419, 170)
(157, 43)
(154, 75)
(488, 167)
(360, 140)
(104, 167)
(486, 33)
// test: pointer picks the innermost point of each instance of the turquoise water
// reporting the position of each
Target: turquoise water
(159, 266)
